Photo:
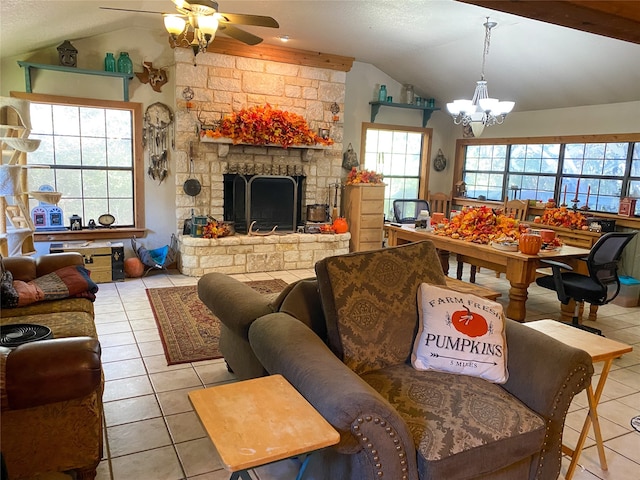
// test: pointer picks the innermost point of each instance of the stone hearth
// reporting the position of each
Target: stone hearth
(247, 254)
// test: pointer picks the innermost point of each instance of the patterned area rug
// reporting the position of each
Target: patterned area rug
(188, 330)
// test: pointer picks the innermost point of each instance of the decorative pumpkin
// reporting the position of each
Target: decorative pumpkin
(530, 243)
(133, 267)
(340, 225)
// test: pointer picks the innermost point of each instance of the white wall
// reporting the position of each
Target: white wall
(363, 82)
(150, 46)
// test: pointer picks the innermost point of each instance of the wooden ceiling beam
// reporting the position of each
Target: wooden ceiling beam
(615, 19)
(276, 53)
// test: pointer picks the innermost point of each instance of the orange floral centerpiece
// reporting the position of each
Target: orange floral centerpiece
(363, 176)
(564, 217)
(264, 125)
(482, 225)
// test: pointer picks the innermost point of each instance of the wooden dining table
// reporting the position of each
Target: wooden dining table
(520, 269)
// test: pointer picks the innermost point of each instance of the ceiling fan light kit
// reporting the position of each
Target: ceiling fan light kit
(197, 22)
(481, 111)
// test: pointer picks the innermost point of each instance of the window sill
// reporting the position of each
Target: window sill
(86, 234)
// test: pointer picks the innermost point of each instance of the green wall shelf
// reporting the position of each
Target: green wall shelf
(28, 66)
(426, 111)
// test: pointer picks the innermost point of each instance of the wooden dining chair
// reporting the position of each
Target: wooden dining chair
(517, 208)
(440, 202)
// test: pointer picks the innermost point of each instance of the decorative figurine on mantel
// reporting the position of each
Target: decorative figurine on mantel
(67, 54)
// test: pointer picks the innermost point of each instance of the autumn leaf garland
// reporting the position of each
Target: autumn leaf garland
(264, 125)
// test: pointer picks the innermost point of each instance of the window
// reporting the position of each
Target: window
(92, 155)
(598, 173)
(398, 153)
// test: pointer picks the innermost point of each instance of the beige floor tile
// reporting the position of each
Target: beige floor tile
(214, 373)
(147, 323)
(120, 352)
(131, 410)
(175, 401)
(619, 413)
(198, 456)
(185, 426)
(627, 445)
(150, 348)
(141, 314)
(124, 368)
(148, 335)
(136, 437)
(620, 467)
(157, 464)
(175, 379)
(158, 363)
(116, 339)
(113, 327)
(126, 388)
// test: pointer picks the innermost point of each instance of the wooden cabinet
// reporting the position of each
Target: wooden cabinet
(364, 210)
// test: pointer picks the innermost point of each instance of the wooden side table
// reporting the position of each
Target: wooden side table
(601, 350)
(260, 421)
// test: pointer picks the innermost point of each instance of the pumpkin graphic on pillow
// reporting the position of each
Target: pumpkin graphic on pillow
(469, 323)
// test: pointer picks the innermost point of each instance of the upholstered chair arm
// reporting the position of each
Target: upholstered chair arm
(545, 374)
(368, 425)
(236, 304)
(50, 371)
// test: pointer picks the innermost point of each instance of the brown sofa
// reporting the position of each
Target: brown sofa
(400, 423)
(51, 418)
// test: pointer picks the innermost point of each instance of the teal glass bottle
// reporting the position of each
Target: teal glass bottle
(109, 63)
(125, 65)
(382, 93)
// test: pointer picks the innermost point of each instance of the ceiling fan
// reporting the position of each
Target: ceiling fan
(197, 22)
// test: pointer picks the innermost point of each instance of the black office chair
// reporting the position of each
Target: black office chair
(599, 287)
(407, 210)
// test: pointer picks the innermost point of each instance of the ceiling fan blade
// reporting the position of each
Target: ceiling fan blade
(246, 19)
(129, 10)
(238, 34)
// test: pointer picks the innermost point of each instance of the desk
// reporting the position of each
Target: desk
(260, 421)
(520, 269)
(601, 350)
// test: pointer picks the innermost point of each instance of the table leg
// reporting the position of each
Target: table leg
(444, 260)
(240, 475)
(592, 417)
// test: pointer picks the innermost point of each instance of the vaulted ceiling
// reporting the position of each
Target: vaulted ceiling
(436, 45)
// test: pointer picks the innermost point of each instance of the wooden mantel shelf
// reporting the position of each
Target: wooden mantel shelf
(225, 143)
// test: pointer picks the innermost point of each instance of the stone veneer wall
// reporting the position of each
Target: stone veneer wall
(245, 254)
(223, 84)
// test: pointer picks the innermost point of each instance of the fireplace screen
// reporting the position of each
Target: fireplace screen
(268, 200)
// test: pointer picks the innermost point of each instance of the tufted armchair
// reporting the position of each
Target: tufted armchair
(399, 423)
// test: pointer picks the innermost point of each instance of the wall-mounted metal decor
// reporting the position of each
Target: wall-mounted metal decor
(158, 135)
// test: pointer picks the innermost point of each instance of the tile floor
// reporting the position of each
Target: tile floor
(153, 433)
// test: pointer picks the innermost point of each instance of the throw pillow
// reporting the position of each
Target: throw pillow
(8, 294)
(460, 333)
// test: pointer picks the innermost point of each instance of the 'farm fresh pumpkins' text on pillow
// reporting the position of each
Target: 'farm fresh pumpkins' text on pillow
(460, 333)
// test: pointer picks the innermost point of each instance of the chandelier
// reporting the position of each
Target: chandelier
(481, 111)
(196, 26)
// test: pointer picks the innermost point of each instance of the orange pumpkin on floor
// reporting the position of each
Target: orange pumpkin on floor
(340, 225)
(133, 267)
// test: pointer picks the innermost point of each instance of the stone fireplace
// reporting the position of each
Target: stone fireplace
(244, 183)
